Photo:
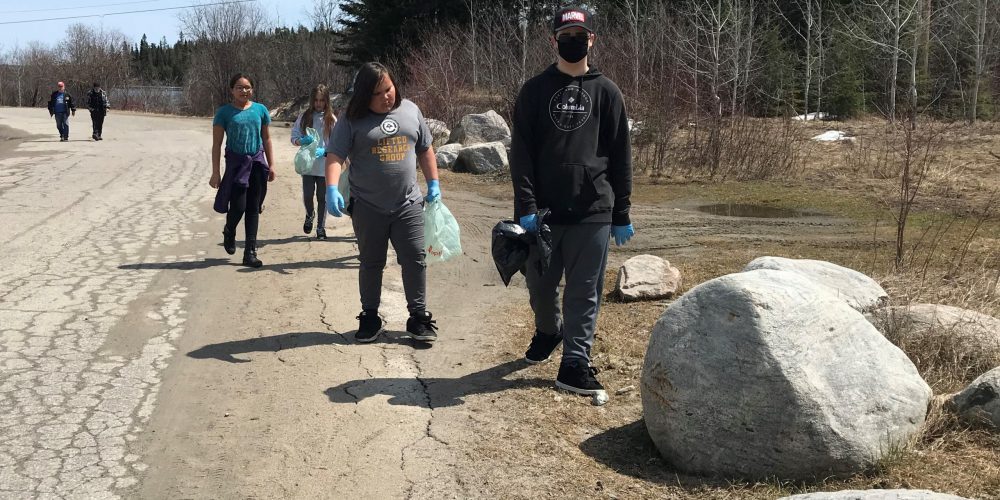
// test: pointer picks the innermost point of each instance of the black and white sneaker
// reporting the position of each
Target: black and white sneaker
(541, 347)
(370, 326)
(420, 326)
(579, 377)
(320, 233)
(307, 226)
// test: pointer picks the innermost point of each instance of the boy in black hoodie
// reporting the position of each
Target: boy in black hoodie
(570, 154)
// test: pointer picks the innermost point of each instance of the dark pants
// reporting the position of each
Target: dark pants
(580, 252)
(97, 119)
(405, 229)
(62, 123)
(315, 185)
(247, 200)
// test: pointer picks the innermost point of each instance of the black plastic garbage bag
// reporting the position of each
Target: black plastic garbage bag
(512, 245)
(510, 249)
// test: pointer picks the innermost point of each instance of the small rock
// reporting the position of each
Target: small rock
(625, 390)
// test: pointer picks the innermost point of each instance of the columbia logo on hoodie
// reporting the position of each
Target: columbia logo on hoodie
(570, 108)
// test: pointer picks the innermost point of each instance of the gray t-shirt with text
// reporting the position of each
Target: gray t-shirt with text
(383, 152)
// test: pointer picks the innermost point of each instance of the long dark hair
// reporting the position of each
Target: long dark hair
(319, 92)
(368, 77)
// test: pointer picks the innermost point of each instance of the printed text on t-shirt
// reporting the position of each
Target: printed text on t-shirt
(392, 149)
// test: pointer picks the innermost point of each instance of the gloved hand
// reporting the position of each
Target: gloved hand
(334, 201)
(529, 222)
(320, 152)
(433, 190)
(622, 234)
(305, 140)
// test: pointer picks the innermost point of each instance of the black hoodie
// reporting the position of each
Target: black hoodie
(570, 149)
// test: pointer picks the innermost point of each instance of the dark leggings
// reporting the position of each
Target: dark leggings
(247, 200)
(315, 185)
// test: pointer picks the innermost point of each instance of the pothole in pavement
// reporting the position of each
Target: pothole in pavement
(756, 211)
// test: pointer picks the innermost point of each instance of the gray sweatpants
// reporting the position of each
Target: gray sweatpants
(405, 229)
(580, 252)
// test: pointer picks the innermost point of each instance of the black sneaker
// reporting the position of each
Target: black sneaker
(420, 326)
(229, 240)
(320, 233)
(307, 226)
(541, 347)
(578, 377)
(370, 325)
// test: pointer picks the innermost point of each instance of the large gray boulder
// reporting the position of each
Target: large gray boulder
(973, 337)
(647, 277)
(979, 403)
(482, 159)
(440, 131)
(481, 128)
(875, 495)
(447, 154)
(860, 291)
(764, 374)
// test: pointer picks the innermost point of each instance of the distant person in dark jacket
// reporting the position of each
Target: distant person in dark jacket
(61, 106)
(97, 103)
(570, 154)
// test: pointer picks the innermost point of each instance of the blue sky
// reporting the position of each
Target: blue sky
(154, 24)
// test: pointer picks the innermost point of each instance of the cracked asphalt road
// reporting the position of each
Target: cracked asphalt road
(138, 360)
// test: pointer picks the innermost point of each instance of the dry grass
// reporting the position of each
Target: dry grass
(555, 445)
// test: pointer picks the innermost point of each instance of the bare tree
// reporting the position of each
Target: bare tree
(811, 33)
(885, 24)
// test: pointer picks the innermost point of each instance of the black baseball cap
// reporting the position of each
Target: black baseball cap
(569, 17)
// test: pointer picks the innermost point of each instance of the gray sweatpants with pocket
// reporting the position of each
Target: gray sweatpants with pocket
(375, 230)
(580, 254)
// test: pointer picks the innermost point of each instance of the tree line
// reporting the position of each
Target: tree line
(676, 61)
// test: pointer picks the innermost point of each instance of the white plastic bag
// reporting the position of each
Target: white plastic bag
(442, 238)
(306, 155)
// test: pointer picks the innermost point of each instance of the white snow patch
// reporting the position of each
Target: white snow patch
(811, 116)
(832, 136)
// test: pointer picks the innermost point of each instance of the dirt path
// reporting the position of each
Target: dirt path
(139, 361)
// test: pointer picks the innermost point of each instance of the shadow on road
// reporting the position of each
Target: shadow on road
(304, 239)
(227, 351)
(181, 266)
(443, 392)
(348, 262)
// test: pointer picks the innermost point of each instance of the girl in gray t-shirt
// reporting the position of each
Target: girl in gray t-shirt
(386, 138)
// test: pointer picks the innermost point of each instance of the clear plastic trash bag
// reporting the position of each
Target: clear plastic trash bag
(442, 238)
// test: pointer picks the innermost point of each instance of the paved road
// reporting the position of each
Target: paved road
(136, 360)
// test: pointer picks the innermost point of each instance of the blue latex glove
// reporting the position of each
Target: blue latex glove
(433, 190)
(622, 234)
(529, 222)
(334, 201)
(305, 140)
(320, 152)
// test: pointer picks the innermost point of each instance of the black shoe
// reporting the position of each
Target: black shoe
(370, 325)
(250, 255)
(420, 326)
(541, 347)
(307, 226)
(94, 137)
(578, 377)
(100, 138)
(63, 139)
(229, 240)
(320, 233)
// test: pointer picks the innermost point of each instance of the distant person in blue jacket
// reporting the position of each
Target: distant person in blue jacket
(61, 106)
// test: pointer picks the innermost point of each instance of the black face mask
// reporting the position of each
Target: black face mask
(573, 48)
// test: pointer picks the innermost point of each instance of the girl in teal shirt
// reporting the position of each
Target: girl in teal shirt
(241, 191)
